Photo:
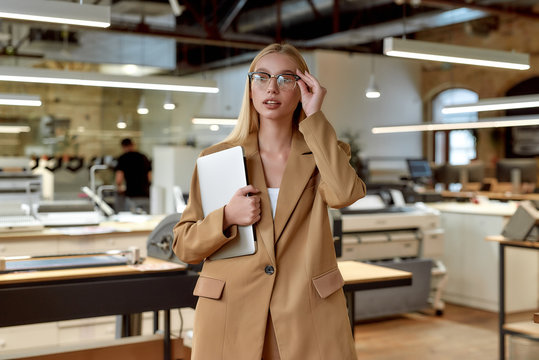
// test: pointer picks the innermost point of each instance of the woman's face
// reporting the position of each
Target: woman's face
(272, 102)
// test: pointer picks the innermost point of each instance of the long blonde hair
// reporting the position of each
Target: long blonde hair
(248, 117)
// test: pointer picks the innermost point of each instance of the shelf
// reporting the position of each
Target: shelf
(523, 327)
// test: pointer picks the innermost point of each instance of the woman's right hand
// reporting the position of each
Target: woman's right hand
(243, 208)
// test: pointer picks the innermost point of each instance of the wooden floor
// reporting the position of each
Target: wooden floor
(461, 333)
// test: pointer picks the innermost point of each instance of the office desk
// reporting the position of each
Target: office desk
(110, 235)
(522, 329)
(503, 196)
(360, 276)
(38, 297)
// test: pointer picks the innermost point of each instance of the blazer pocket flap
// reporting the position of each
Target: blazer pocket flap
(329, 282)
(209, 287)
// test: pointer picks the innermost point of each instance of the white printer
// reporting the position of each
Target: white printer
(392, 232)
(382, 228)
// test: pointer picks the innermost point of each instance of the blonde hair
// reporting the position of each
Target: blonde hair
(248, 117)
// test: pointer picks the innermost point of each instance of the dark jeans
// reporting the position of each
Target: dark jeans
(134, 204)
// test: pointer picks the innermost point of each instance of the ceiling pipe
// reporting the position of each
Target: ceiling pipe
(489, 9)
(296, 11)
(391, 28)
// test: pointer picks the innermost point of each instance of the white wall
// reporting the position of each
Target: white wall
(346, 76)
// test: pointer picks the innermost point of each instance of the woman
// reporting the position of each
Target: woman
(286, 300)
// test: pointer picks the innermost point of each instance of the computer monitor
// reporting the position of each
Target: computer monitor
(419, 168)
(526, 166)
(476, 171)
(452, 174)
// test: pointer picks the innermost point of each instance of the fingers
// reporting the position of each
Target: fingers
(308, 79)
(303, 88)
(243, 209)
(312, 93)
(246, 190)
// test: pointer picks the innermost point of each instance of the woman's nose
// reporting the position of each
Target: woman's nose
(272, 85)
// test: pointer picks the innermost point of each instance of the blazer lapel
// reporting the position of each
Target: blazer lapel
(255, 171)
(299, 168)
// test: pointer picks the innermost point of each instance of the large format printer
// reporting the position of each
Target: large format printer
(383, 229)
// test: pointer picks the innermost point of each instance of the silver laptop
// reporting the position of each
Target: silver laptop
(220, 175)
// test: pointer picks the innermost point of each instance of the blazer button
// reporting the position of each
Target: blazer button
(269, 269)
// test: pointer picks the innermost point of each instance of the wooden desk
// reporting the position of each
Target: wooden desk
(360, 276)
(80, 293)
(523, 329)
(38, 297)
(491, 195)
(536, 318)
(110, 235)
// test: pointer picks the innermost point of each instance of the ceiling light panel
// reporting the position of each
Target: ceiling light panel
(20, 100)
(504, 103)
(423, 50)
(47, 76)
(507, 121)
(60, 12)
(214, 121)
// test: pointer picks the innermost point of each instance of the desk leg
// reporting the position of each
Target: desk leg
(167, 335)
(351, 305)
(501, 315)
(125, 329)
(155, 321)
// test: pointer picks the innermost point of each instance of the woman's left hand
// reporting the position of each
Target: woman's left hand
(312, 93)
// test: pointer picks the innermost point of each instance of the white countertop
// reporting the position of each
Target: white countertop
(491, 208)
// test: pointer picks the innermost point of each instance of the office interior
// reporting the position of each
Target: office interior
(456, 211)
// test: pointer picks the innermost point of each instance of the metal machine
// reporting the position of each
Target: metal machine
(130, 256)
(160, 240)
(402, 236)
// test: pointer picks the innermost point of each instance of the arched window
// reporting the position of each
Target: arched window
(456, 147)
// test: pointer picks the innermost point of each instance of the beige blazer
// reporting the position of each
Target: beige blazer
(294, 272)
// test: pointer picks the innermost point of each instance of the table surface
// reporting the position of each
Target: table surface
(142, 224)
(503, 240)
(150, 265)
(490, 195)
(354, 272)
(490, 208)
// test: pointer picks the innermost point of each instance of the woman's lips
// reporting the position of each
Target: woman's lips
(270, 103)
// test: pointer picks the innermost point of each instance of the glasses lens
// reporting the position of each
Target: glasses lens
(286, 81)
(260, 78)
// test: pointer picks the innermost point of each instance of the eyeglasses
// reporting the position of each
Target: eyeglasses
(285, 82)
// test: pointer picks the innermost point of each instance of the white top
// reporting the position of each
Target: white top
(273, 195)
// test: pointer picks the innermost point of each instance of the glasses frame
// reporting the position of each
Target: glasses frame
(276, 76)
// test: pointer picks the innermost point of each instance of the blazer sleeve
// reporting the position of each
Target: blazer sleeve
(196, 237)
(339, 185)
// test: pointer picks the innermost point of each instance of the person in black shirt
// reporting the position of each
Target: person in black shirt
(135, 170)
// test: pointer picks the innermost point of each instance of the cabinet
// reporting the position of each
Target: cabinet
(473, 263)
(52, 241)
(526, 329)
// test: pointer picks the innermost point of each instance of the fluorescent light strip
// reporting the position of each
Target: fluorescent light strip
(423, 50)
(505, 103)
(14, 129)
(20, 100)
(508, 121)
(60, 12)
(47, 76)
(214, 121)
